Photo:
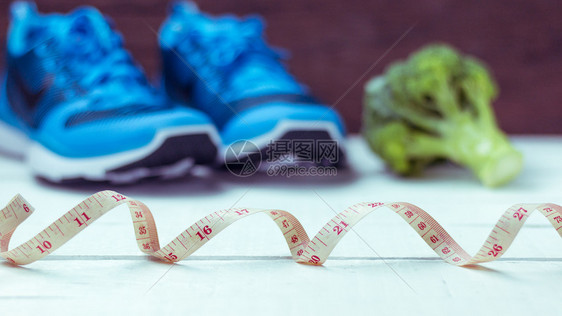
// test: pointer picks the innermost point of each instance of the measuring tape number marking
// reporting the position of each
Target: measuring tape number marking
(313, 251)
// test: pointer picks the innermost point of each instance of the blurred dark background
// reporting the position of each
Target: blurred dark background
(333, 42)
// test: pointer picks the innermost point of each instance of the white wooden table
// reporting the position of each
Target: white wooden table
(384, 268)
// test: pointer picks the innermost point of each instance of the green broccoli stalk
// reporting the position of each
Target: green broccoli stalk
(437, 105)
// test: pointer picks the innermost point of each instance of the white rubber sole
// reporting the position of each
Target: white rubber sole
(284, 127)
(56, 168)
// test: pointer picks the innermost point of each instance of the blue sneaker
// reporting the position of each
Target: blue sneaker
(222, 66)
(75, 105)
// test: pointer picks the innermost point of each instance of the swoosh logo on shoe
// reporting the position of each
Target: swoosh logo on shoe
(30, 97)
(23, 100)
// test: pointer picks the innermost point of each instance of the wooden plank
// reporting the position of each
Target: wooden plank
(278, 287)
(247, 265)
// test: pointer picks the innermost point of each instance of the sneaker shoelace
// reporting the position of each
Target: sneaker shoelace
(88, 62)
(234, 49)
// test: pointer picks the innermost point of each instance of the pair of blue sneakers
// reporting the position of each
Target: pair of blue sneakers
(75, 105)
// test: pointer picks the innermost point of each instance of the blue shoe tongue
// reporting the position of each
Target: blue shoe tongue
(237, 44)
(89, 32)
(94, 51)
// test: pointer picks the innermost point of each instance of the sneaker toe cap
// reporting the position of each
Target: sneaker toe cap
(119, 133)
(268, 118)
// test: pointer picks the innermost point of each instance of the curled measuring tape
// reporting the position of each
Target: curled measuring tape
(304, 250)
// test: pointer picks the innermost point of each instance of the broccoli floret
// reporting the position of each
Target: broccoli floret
(437, 105)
